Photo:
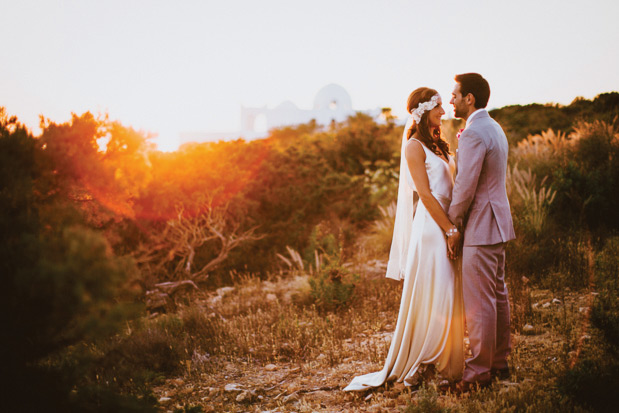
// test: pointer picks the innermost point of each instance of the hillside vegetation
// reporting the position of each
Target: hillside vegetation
(249, 276)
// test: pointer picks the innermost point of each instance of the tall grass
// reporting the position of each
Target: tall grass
(376, 241)
(531, 204)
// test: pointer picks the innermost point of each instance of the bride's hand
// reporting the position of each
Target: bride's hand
(454, 245)
(450, 251)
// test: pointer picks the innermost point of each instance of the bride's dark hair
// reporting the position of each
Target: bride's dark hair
(433, 140)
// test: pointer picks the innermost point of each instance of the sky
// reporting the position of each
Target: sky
(168, 67)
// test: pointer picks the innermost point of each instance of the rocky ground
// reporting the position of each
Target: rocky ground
(244, 385)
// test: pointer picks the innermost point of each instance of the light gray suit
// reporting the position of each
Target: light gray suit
(480, 207)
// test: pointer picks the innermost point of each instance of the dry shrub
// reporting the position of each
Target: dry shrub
(272, 321)
(530, 204)
(157, 347)
(375, 243)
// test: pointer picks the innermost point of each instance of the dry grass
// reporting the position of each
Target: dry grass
(375, 243)
(263, 345)
(282, 354)
(533, 204)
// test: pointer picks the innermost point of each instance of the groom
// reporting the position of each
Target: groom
(480, 210)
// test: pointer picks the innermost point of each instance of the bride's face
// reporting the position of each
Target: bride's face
(435, 115)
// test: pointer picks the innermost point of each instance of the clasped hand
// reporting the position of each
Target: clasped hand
(454, 246)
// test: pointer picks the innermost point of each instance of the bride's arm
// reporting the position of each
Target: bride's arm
(415, 158)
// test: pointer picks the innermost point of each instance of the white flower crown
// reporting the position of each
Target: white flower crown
(429, 105)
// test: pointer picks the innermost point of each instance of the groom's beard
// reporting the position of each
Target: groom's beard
(459, 113)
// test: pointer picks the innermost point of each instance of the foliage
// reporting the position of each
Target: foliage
(332, 286)
(587, 179)
(332, 178)
(375, 242)
(176, 252)
(81, 198)
(530, 205)
(521, 121)
(576, 200)
(63, 285)
(593, 384)
(593, 380)
(427, 402)
(542, 153)
(605, 315)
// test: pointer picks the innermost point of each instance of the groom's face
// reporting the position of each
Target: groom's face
(460, 107)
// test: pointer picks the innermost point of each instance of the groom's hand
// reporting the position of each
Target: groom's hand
(450, 251)
(454, 245)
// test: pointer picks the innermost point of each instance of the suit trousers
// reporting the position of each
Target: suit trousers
(486, 308)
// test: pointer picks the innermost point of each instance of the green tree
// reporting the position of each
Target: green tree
(62, 284)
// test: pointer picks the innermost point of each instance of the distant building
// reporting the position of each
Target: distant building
(332, 103)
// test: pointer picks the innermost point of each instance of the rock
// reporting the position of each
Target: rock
(164, 399)
(546, 305)
(224, 290)
(245, 397)
(270, 367)
(177, 382)
(528, 329)
(321, 357)
(556, 301)
(233, 387)
(292, 387)
(291, 398)
(368, 397)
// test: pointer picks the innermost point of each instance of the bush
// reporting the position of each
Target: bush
(332, 287)
(594, 379)
(605, 316)
(427, 402)
(63, 287)
(157, 347)
(587, 180)
(593, 383)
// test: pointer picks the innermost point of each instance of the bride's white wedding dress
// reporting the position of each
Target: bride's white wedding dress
(430, 327)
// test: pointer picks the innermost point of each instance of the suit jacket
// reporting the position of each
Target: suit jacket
(479, 203)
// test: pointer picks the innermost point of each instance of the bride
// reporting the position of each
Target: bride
(430, 327)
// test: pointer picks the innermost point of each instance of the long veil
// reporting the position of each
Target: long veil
(405, 210)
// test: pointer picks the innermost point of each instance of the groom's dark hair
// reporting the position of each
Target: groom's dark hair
(476, 85)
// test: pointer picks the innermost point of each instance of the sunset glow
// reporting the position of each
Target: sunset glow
(169, 68)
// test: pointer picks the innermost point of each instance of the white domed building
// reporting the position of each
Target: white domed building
(333, 98)
(332, 103)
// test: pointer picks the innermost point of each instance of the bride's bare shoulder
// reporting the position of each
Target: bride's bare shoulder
(414, 149)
